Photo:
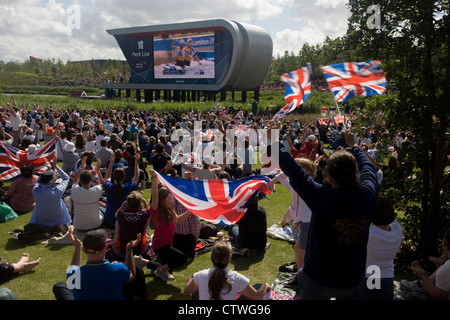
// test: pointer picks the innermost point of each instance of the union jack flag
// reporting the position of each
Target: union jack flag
(242, 127)
(12, 159)
(349, 79)
(208, 135)
(298, 89)
(241, 130)
(191, 157)
(340, 118)
(321, 121)
(218, 201)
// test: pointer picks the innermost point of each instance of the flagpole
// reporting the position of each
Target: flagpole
(337, 106)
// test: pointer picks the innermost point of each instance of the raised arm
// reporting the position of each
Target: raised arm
(80, 170)
(99, 173)
(366, 168)
(76, 258)
(11, 109)
(129, 261)
(136, 169)
(109, 170)
(313, 151)
(180, 218)
(155, 181)
(188, 168)
(288, 138)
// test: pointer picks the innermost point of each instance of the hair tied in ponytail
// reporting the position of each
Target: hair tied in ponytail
(221, 265)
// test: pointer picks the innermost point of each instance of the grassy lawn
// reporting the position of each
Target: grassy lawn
(37, 285)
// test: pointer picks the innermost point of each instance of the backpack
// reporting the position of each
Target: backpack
(6, 212)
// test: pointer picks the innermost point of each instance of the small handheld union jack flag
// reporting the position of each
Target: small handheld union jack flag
(298, 89)
(349, 79)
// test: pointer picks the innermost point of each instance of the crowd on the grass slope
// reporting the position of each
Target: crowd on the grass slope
(347, 232)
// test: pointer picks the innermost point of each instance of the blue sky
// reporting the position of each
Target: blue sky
(47, 29)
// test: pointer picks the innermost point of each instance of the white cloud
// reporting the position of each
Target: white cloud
(39, 27)
(293, 40)
(314, 22)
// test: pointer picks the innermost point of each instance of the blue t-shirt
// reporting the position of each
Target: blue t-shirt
(112, 203)
(98, 281)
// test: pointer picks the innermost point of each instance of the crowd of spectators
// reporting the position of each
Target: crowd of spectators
(112, 155)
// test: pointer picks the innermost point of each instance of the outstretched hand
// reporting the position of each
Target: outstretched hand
(350, 138)
(132, 244)
(74, 238)
(153, 173)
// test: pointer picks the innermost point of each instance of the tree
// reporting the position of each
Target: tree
(412, 40)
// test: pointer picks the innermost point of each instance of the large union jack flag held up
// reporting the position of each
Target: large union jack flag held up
(218, 201)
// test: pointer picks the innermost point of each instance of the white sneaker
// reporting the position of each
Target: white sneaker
(138, 262)
(165, 275)
(413, 286)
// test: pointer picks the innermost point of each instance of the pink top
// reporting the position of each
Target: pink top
(163, 234)
(22, 198)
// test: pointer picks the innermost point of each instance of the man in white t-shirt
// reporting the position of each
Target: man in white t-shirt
(437, 285)
(87, 214)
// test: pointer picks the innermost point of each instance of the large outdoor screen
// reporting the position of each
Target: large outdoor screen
(184, 56)
(202, 55)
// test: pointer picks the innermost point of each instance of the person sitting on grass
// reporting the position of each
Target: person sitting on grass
(131, 219)
(50, 209)
(250, 232)
(20, 195)
(9, 270)
(117, 191)
(435, 286)
(85, 198)
(98, 279)
(219, 282)
(164, 219)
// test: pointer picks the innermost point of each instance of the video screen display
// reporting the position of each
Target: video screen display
(184, 56)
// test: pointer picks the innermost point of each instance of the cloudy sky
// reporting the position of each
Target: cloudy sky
(76, 29)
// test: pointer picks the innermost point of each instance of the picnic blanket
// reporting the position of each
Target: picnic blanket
(65, 238)
(34, 233)
(271, 295)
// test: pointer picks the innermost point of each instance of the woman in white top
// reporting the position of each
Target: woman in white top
(86, 199)
(220, 283)
(298, 215)
(385, 236)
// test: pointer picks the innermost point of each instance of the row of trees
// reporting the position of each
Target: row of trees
(90, 69)
(329, 52)
(412, 40)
